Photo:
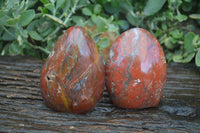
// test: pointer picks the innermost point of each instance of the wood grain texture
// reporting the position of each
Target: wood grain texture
(22, 108)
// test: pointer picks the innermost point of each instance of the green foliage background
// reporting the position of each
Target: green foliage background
(31, 27)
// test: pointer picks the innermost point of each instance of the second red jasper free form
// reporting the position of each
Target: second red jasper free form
(136, 70)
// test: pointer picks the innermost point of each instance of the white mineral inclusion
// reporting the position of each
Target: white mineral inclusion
(137, 81)
(52, 53)
(59, 89)
(134, 42)
(111, 53)
(145, 66)
(75, 104)
(135, 39)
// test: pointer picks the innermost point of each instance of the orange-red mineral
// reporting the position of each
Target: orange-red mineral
(136, 70)
(72, 79)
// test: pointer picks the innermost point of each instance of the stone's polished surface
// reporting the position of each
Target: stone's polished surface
(136, 70)
(72, 78)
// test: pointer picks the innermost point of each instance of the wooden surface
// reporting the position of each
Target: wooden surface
(22, 108)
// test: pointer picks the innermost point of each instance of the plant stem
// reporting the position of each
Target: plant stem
(38, 47)
(72, 11)
(176, 27)
(53, 33)
(56, 19)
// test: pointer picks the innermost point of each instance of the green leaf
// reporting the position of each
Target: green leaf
(181, 17)
(21, 6)
(15, 48)
(78, 20)
(59, 3)
(50, 7)
(35, 35)
(9, 34)
(44, 25)
(52, 1)
(5, 50)
(187, 7)
(3, 12)
(180, 59)
(158, 33)
(97, 9)
(11, 3)
(195, 16)
(44, 1)
(47, 32)
(83, 3)
(3, 20)
(13, 21)
(124, 25)
(113, 28)
(66, 7)
(189, 57)
(24, 33)
(177, 58)
(125, 6)
(196, 41)
(153, 6)
(170, 15)
(164, 26)
(50, 44)
(108, 8)
(174, 4)
(188, 38)
(176, 34)
(115, 3)
(169, 44)
(197, 58)
(190, 27)
(33, 24)
(173, 40)
(31, 3)
(86, 11)
(132, 19)
(26, 17)
(43, 10)
(102, 24)
(104, 43)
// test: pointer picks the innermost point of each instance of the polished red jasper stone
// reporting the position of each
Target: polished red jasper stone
(72, 78)
(136, 70)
